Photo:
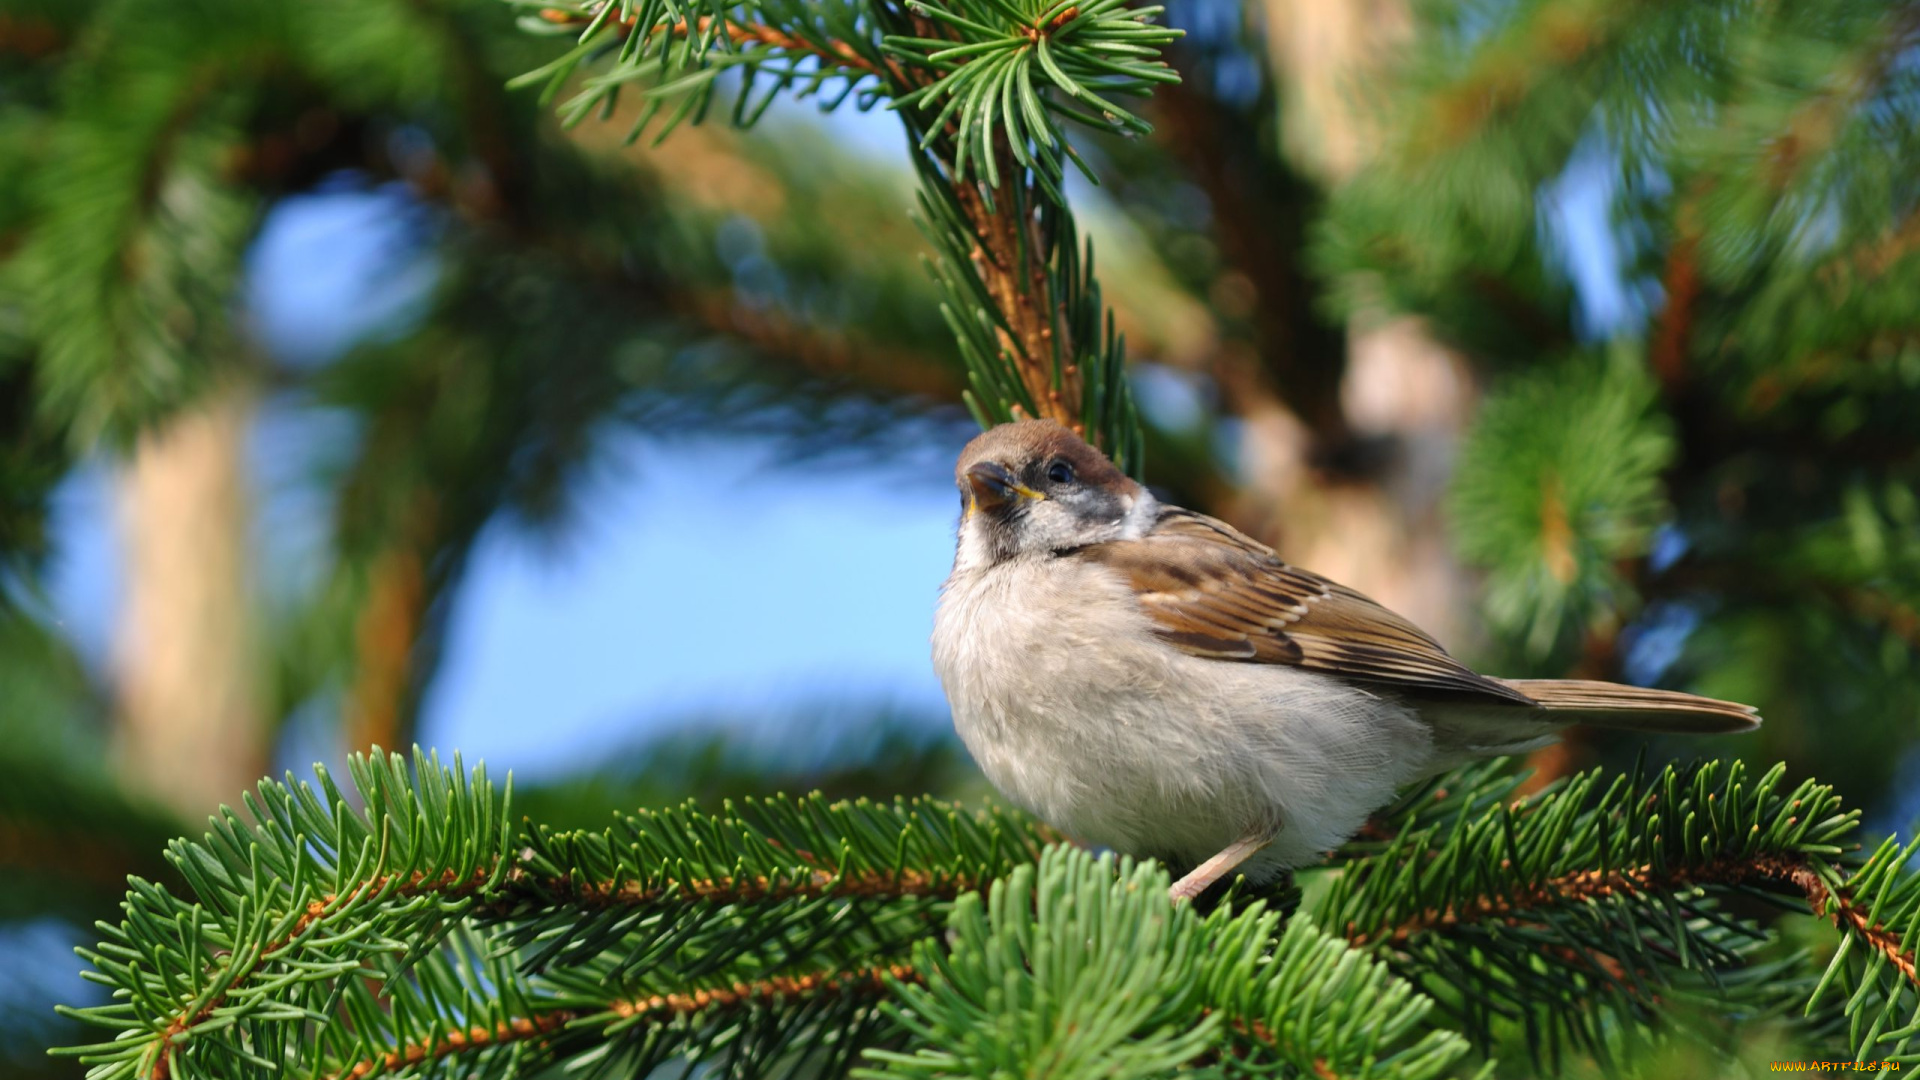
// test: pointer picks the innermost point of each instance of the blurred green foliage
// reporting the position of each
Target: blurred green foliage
(1716, 491)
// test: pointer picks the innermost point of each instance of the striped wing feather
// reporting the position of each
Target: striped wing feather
(1213, 591)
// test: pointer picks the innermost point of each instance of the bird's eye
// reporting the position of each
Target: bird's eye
(1060, 472)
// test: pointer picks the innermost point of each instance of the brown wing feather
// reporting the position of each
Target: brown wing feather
(1213, 591)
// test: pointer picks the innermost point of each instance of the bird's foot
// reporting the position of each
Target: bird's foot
(1216, 868)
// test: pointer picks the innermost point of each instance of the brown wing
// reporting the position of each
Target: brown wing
(1214, 591)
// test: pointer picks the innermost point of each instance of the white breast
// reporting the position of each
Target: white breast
(1078, 714)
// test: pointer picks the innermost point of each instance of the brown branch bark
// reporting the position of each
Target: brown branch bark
(384, 631)
(817, 884)
(29, 37)
(1590, 885)
(830, 354)
(778, 989)
(838, 53)
(775, 990)
(1847, 915)
(1008, 255)
(473, 1039)
(1672, 343)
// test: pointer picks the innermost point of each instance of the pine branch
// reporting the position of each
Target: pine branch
(1079, 966)
(426, 932)
(272, 948)
(452, 1043)
(1842, 907)
(835, 52)
(1814, 125)
(1584, 887)
(1872, 259)
(1619, 883)
(674, 58)
(1012, 267)
(868, 983)
(128, 315)
(979, 86)
(1024, 305)
(1560, 486)
(1877, 910)
(1546, 42)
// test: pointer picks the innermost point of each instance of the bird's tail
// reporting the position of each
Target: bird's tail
(1634, 708)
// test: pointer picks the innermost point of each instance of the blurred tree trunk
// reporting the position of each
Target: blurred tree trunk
(192, 728)
(1366, 513)
(383, 697)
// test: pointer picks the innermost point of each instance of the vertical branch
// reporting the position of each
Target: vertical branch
(1022, 298)
(1039, 341)
(1673, 334)
(1010, 256)
(386, 633)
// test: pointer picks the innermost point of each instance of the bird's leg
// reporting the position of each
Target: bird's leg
(1218, 867)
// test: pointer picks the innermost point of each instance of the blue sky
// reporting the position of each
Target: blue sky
(704, 581)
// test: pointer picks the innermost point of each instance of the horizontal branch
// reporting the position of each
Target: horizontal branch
(1590, 885)
(88, 857)
(447, 1044)
(838, 53)
(776, 990)
(819, 351)
(818, 884)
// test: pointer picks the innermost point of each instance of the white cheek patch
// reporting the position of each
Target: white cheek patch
(1139, 517)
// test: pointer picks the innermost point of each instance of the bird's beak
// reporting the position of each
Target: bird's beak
(994, 487)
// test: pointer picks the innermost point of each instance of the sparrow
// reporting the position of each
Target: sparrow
(1151, 680)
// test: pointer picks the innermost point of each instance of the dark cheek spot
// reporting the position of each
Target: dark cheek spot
(1102, 508)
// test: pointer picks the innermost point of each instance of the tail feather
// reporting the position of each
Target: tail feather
(1635, 708)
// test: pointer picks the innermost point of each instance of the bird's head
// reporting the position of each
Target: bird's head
(1034, 487)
